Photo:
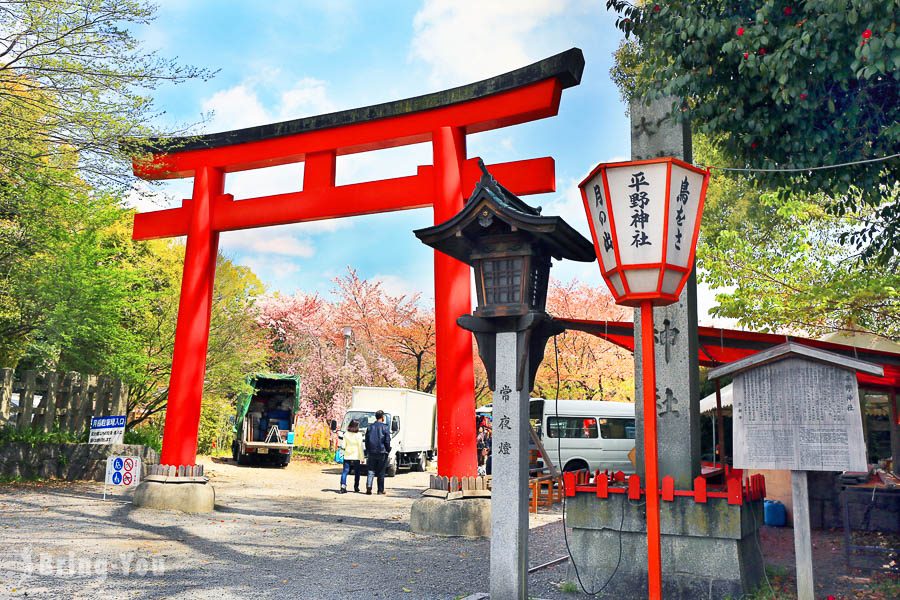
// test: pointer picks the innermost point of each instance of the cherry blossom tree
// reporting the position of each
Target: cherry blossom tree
(589, 368)
(392, 342)
(298, 329)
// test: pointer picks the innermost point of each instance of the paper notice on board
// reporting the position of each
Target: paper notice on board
(798, 415)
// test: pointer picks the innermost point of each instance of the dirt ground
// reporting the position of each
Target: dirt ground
(831, 574)
(287, 533)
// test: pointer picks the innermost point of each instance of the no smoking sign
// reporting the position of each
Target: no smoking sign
(123, 470)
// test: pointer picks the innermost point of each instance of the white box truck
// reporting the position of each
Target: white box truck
(411, 417)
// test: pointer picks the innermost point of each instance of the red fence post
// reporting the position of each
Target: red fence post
(179, 446)
(452, 298)
(700, 489)
(602, 485)
(634, 488)
(668, 488)
(734, 488)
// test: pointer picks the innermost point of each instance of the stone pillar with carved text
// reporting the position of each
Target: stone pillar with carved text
(655, 132)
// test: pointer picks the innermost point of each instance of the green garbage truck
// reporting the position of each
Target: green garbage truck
(264, 423)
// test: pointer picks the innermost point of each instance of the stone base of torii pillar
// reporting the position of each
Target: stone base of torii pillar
(184, 489)
(451, 516)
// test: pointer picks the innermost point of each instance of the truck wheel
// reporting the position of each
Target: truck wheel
(242, 459)
(391, 469)
(422, 463)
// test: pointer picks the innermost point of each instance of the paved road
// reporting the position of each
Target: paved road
(276, 534)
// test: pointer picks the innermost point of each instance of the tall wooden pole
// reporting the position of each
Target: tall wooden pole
(651, 469)
(802, 536)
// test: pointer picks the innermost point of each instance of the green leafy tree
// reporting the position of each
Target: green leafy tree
(237, 347)
(215, 428)
(784, 84)
(780, 241)
(89, 299)
(67, 293)
(782, 259)
(75, 82)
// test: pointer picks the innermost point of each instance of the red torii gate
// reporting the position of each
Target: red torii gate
(444, 119)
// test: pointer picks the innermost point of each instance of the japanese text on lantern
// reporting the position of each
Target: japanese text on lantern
(638, 202)
(682, 198)
(601, 217)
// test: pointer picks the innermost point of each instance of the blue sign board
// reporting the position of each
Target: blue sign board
(107, 430)
(107, 422)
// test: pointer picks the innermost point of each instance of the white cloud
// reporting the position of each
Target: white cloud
(275, 272)
(569, 205)
(264, 182)
(280, 240)
(706, 300)
(395, 285)
(308, 97)
(242, 106)
(144, 199)
(382, 164)
(235, 108)
(285, 245)
(465, 40)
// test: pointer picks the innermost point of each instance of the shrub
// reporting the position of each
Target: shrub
(34, 436)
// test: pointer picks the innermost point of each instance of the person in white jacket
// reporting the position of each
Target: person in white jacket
(353, 456)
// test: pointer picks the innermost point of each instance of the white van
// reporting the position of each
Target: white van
(585, 434)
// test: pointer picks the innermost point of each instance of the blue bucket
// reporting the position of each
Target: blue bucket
(775, 513)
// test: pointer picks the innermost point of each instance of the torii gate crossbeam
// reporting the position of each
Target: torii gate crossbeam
(442, 118)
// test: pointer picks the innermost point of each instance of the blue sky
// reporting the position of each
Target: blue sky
(285, 60)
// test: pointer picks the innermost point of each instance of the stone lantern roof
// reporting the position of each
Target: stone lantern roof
(494, 210)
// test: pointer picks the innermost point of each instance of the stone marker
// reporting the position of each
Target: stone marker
(654, 133)
(509, 500)
(708, 548)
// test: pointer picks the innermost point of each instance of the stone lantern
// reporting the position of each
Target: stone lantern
(510, 246)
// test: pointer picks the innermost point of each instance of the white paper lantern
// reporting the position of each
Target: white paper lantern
(645, 218)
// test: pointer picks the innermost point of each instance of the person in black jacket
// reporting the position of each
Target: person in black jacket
(378, 447)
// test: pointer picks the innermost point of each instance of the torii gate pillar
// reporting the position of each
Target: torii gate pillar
(192, 328)
(442, 118)
(452, 298)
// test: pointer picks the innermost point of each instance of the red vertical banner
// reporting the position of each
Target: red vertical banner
(452, 298)
(179, 445)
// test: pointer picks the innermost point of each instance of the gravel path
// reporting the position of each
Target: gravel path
(287, 534)
(275, 534)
